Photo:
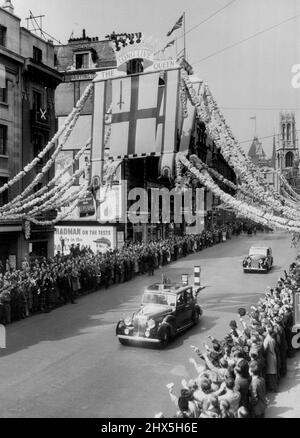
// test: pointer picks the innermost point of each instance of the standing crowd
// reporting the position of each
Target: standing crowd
(43, 284)
(235, 374)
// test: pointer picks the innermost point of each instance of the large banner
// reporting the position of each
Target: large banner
(97, 238)
(189, 121)
(86, 208)
(144, 109)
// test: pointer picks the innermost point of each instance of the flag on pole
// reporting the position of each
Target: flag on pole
(176, 26)
(253, 118)
(170, 44)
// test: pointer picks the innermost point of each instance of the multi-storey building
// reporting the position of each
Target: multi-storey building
(27, 121)
(143, 163)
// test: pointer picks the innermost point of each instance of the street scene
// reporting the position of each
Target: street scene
(149, 211)
(72, 362)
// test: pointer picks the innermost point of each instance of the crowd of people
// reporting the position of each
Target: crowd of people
(43, 284)
(234, 375)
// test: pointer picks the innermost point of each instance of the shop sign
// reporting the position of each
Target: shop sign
(80, 77)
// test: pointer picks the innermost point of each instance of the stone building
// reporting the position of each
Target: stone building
(27, 121)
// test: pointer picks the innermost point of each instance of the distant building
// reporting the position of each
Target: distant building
(27, 121)
(287, 159)
(258, 155)
(267, 165)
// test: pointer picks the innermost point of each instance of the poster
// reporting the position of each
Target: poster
(97, 238)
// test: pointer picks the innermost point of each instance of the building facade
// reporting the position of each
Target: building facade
(79, 61)
(27, 121)
(133, 138)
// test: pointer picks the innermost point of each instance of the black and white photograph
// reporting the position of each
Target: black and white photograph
(149, 212)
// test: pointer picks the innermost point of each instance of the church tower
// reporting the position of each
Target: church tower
(287, 149)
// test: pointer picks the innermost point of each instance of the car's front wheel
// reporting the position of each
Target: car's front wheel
(196, 317)
(123, 341)
(165, 338)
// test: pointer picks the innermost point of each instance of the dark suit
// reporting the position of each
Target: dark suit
(258, 397)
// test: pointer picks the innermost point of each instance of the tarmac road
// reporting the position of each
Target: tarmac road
(69, 363)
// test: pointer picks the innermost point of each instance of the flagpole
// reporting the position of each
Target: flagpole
(184, 37)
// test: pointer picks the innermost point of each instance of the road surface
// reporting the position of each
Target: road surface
(68, 363)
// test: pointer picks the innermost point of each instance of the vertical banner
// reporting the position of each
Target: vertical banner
(169, 148)
(209, 200)
(98, 129)
(189, 121)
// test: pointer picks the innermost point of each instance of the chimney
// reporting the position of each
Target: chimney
(83, 34)
(7, 5)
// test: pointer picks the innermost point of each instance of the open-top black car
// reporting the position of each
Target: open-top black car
(166, 310)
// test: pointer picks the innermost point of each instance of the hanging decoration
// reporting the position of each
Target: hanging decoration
(221, 134)
(27, 230)
(69, 124)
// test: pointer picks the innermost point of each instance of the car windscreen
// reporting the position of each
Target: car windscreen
(258, 251)
(166, 299)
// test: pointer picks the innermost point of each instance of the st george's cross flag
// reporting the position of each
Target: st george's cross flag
(143, 118)
(136, 104)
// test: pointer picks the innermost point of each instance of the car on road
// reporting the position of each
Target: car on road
(166, 310)
(259, 259)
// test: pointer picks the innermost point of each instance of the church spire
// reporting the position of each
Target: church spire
(273, 158)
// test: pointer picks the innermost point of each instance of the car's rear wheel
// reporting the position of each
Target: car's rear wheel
(165, 338)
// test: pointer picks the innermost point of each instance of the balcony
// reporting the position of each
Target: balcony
(4, 166)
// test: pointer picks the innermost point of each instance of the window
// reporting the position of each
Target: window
(37, 100)
(3, 139)
(188, 296)
(180, 299)
(37, 54)
(288, 131)
(3, 94)
(3, 195)
(83, 60)
(2, 35)
(135, 66)
(289, 159)
(38, 143)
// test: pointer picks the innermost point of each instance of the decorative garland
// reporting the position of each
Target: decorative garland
(82, 194)
(36, 198)
(74, 115)
(250, 212)
(208, 112)
(183, 99)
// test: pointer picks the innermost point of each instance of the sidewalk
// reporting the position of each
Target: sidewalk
(286, 403)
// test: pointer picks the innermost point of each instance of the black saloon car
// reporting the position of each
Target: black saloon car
(166, 310)
(260, 259)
